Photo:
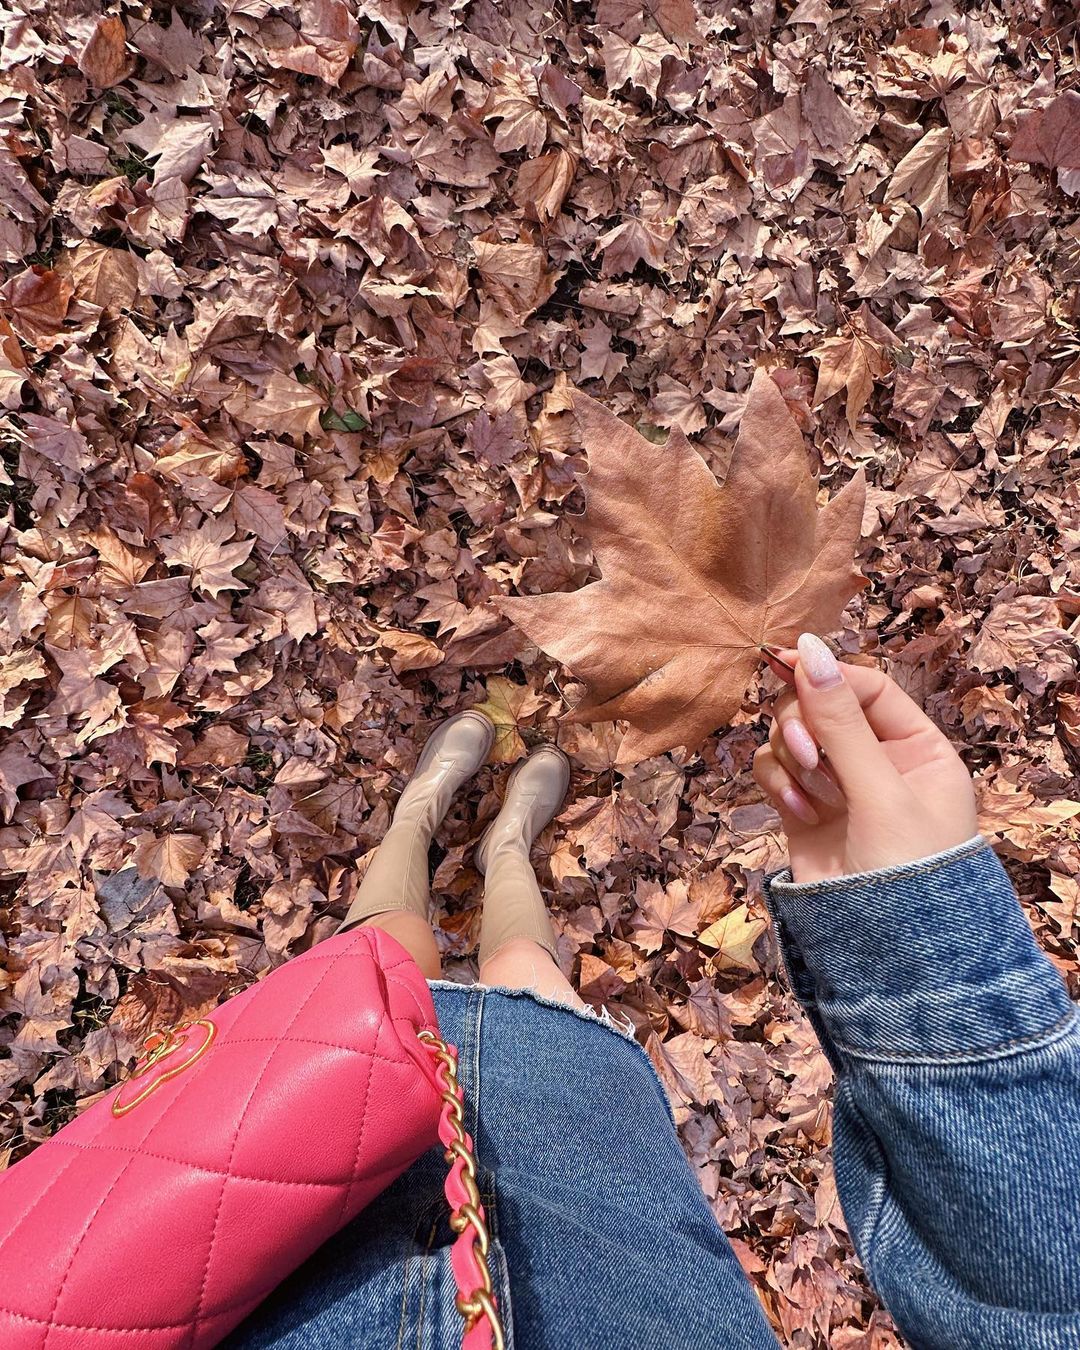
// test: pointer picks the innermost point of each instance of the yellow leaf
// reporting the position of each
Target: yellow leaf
(508, 705)
(734, 936)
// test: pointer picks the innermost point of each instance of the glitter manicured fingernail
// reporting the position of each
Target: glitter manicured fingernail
(801, 744)
(821, 667)
(799, 807)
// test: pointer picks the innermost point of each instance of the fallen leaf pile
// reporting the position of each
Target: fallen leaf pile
(294, 302)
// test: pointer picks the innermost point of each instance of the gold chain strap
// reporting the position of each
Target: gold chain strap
(469, 1214)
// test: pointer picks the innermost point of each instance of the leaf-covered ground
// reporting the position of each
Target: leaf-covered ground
(293, 298)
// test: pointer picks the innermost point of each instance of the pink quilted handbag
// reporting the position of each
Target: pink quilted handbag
(170, 1208)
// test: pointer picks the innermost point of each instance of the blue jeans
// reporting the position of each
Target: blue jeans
(956, 1139)
(602, 1236)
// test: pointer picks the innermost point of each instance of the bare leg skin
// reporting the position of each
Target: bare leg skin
(414, 934)
(522, 964)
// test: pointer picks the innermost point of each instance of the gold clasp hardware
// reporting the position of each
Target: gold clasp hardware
(158, 1046)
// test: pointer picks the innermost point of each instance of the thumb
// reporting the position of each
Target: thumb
(835, 716)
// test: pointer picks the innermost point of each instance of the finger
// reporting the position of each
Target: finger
(892, 714)
(793, 732)
(789, 799)
(817, 782)
(835, 716)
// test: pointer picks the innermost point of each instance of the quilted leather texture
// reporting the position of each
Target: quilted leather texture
(165, 1226)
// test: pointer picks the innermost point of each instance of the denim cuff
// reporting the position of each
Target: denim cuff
(930, 961)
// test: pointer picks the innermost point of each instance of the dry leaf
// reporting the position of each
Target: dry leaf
(324, 46)
(104, 60)
(632, 242)
(543, 183)
(509, 706)
(522, 125)
(734, 936)
(221, 745)
(283, 405)
(696, 577)
(1016, 631)
(211, 557)
(850, 363)
(661, 911)
(36, 302)
(409, 651)
(191, 452)
(171, 993)
(921, 178)
(514, 275)
(107, 277)
(639, 62)
(1050, 135)
(169, 858)
(43, 1013)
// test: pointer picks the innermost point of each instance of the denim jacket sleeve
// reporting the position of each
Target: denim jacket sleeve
(957, 1118)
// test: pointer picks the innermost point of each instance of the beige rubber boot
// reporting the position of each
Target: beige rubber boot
(397, 877)
(513, 904)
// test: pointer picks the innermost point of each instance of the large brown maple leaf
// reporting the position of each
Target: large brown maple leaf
(696, 576)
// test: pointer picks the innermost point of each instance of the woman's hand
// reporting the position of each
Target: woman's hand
(886, 787)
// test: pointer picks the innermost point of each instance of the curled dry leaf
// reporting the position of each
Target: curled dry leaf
(13, 366)
(542, 184)
(922, 176)
(696, 576)
(409, 651)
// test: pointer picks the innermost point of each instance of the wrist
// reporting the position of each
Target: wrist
(881, 853)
